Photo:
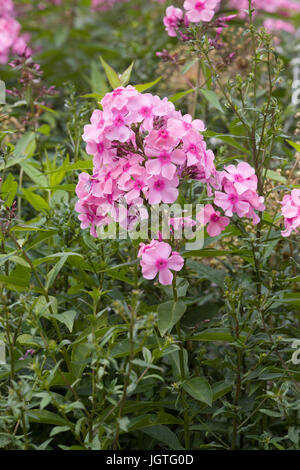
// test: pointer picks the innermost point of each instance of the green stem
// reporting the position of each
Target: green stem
(182, 374)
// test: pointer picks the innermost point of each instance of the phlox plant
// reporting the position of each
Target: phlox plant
(149, 218)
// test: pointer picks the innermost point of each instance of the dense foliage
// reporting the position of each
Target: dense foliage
(97, 351)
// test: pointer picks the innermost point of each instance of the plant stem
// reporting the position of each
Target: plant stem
(182, 374)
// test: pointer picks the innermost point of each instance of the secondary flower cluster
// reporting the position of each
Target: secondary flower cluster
(239, 192)
(10, 38)
(284, 8)
(142, 148)
(103, 5)
(291, 212)
(195, 11)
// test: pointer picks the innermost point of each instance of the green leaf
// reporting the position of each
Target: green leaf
(220, 389)
(143, 421)
(206, 272)
(180, 95)
(28, 340)
(67, 318)
(169, 313)
(164, 435)
(213, 334)
(35, 200)
(58, 175)
(98, 82)
(81, 165)
(125, 77)
(47, 417)
(199, 389)
(111, 74)
(51, 276)
(58, 430)
(18, 279)
(212, 98)
(273, 413)
(9, 189)
(273, 175)
(42, 308)
(295, 145)
(24, 149)
(211, 253)
(229, 139)
(79, 358)
(34, 174)
(144, 86)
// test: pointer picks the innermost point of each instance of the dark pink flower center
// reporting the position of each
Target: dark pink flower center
(117, 92)
(215, 217)
(159, 185)
(192, 148)
(138, 184)
(163, 133)
(126, 167)
(100, 123)
(118, 121)
(233, 199)
(164, 157)
(146, 111)
(199, 6)
(161, 263)
(238, 178)
(100, 147)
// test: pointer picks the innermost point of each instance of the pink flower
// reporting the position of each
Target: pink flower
(291, 212)
(274, 25)
(200, 10)
(180, 222)
(239, 185)
(172, 20)
(159, 259)
(243, 176)
(181, 127)
(162, 189)
(230, 202)
(145, 248)
(6, 7)
(9, 33)
(216, 222)
(28, 351)
(163, 162)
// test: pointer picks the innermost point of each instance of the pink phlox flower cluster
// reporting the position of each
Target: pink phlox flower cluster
(273, 25)
(172, 20)
(282, 7)
(158, 258)
(195, 12)
(104, 5)
(7, 7)
(10, 38)
(291, 212)
(239, 192)
(141, 149)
